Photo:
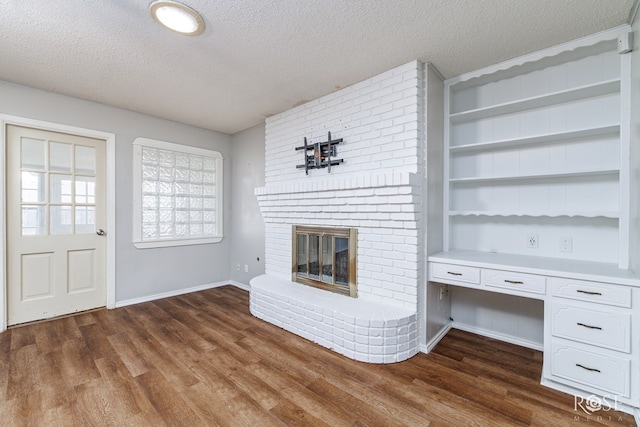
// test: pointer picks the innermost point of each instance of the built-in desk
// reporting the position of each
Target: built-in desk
(591, 316)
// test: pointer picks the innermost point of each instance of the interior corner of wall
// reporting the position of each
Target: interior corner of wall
(633, 15)
(434, 69)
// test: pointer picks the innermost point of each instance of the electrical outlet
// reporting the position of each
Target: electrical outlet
(443, 291)
(566, 244)
(238, 267)
(532, 241)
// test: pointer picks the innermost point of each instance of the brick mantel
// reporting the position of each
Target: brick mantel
(342, 183)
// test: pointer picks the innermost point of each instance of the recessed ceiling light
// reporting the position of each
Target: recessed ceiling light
(177, 17)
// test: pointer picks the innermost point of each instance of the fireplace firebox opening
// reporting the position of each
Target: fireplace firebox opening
(325, 258)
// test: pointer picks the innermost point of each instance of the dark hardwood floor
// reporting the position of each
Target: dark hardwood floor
(202, 359)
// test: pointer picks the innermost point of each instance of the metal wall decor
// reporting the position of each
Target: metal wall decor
(321, 156)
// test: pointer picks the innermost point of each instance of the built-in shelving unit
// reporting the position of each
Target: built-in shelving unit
(539, 148)
(537, 217)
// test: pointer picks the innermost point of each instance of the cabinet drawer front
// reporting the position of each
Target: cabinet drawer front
(518, 281)
(608, 330)
(456, 273)
(603, 293)
(597, 371)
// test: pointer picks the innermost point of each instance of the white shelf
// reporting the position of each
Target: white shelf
(581, 92)
(556, 214)
(535, 176)
(537, 139)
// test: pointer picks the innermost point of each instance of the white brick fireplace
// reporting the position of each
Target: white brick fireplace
(378, 190)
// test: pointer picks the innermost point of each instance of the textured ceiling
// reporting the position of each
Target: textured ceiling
(258, 57)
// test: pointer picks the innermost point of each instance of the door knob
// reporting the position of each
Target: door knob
(100, 232)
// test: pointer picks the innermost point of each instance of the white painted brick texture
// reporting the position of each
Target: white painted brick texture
(378, 190)
(361, 330)
(387, 218)
(377, 118)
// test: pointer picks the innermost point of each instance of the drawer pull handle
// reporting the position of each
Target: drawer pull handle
(588, 292)
(588, 369)
(589, 326)
(514, 282)
(454, 274)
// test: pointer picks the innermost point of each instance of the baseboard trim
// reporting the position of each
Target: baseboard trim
(240, 285)
(148, 298)
(498, 336)
(435, 340)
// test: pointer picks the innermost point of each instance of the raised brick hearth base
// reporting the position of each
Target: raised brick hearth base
(361, 330)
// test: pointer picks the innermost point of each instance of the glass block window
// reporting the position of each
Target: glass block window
(177, 194)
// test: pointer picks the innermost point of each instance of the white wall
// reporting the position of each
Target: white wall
(437, 311)
(634, 259)
(139, 272)
(247, 227)
(514, 319)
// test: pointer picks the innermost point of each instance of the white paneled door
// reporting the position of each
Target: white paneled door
(56, 216)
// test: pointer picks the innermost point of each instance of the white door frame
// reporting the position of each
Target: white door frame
(110, 139)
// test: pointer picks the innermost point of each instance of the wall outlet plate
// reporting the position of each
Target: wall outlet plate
(532, 241)
(566, 244)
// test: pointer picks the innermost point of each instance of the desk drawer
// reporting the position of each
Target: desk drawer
(608, 330)
(599, 371)
(456, 273)
(602, 293)
(518, 281)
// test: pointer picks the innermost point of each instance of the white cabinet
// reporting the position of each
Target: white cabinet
(589, 325)
(592, 371)
(591, 320)
(600, 293)
(514, 281)
(449, 273)
(506, 282)
(592, 338)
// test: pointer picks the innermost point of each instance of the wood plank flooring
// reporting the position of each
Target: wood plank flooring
(202, 360)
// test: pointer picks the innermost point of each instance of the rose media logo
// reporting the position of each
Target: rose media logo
(594, 403)
(596, 408)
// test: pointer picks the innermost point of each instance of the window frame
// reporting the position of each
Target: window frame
(160, 242)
